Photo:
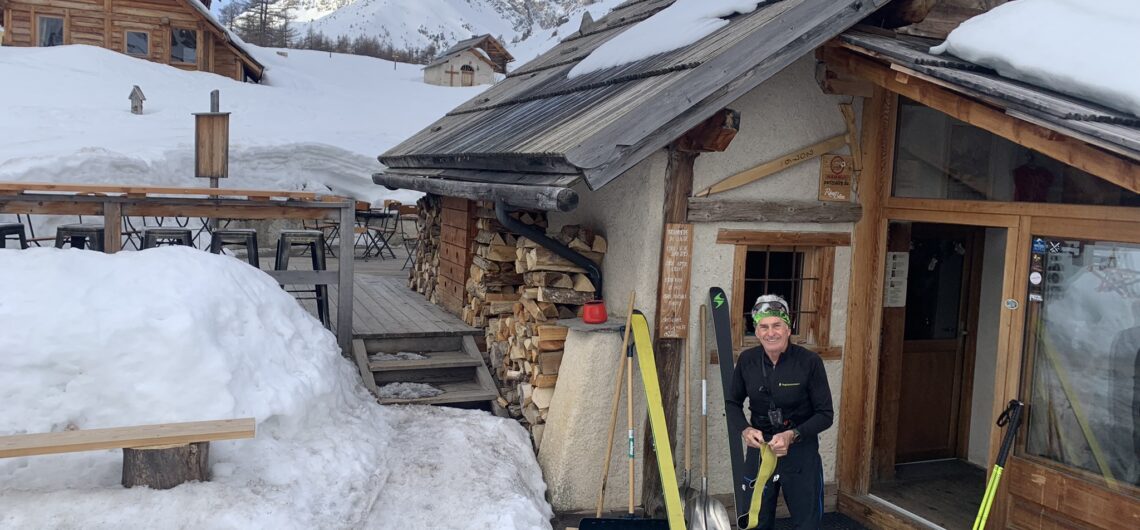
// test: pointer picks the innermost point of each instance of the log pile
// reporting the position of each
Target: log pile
(423, 274)
(492, 282)
(525, 345)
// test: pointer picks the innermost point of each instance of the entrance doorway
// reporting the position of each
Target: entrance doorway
(938, 352)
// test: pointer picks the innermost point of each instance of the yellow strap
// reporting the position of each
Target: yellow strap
(768, 461)
(648, 367)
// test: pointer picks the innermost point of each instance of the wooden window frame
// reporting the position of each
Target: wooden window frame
(126, 38)
(819, 262)
(197, 46)
(36, 24)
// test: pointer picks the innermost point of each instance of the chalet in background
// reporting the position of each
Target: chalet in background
(180, 33)
(470, 62)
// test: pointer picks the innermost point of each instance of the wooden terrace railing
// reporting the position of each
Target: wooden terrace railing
(116, 202)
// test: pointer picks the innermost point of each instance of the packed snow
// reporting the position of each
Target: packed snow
(175, 334)
(317, 123)
(398, 356)
(1084, 49)
(672, 28)
(408, 391)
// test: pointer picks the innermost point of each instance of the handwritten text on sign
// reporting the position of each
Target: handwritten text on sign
(674, 302)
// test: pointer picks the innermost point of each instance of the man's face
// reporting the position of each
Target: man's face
(774, 334)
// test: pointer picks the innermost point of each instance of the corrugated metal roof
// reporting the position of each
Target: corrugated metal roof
(1110, 129)
(599, 124)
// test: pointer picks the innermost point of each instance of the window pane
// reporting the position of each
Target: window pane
(138, 43)
(939, 157)
(1083, 343)
(51, 31)
(934, 287)
(184, 46)
(779, 273)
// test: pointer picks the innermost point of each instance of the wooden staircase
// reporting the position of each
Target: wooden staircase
(452, 364)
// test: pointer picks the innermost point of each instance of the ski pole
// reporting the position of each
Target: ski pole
(1010, 418)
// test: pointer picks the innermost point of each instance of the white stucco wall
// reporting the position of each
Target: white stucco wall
(785, 113)
(437, 75)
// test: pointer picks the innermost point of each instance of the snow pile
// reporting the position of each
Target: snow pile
(408, 391)
(317, 123)
(398, 356)
(175, 334)
(1084, 49)
(677, 26)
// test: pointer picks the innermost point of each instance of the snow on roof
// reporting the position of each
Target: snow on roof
(1084, 49)
(677, 26)
(233, 38)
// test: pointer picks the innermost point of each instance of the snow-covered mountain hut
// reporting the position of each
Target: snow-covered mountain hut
(470, 62)
(953, 231)
(180, 33)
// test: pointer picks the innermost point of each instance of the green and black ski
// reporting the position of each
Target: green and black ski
(721, 311)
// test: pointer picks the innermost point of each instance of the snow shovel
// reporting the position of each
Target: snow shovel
(702, 511)
(1011, 419)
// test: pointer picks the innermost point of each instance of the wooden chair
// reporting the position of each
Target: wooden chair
(158, 456)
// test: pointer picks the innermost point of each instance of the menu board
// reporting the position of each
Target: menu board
(674, 292)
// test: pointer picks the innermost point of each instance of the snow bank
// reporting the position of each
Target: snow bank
(1085, 49)
(175, 334)
(676, 26)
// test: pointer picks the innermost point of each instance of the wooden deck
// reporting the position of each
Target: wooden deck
(384, 306)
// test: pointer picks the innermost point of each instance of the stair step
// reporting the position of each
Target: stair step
(455, 392)
(435, 359)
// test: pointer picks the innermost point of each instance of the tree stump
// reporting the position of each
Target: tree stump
(165, 466)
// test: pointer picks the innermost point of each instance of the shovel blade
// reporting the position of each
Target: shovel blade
(703, 512)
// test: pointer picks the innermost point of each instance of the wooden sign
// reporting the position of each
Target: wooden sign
(835, 177)
(673, 302)
(211, 145)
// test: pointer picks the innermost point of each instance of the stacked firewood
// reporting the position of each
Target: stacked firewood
(525, 346)
(492, 282)
(422, 276)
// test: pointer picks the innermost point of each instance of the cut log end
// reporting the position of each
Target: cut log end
(164, 467)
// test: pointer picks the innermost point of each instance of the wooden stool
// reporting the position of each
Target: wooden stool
(80, 236)
(314, 242)
(13, 230)
(246, 237)
(153, 237)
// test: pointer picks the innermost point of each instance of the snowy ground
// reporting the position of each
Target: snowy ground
(318, 121)
(176, 334)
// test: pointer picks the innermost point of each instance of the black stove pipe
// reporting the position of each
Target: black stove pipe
(538, 236)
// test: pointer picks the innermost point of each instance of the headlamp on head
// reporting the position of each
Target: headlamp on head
(771, 305)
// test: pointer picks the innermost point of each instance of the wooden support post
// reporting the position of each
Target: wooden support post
(344, 287)
(890, 372)
(669, 352)
(165, 466)
(112, 226)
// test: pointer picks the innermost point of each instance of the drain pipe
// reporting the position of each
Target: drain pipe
(538, 236)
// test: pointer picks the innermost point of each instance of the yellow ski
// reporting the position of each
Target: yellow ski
(660, 430)
(768, 461)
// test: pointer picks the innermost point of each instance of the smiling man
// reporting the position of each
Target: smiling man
(790, 404)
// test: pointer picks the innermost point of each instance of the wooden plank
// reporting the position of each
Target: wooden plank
(360, 355)
(120, 437)
(303, 277)
(112, 223)
(676, 268)
(1057, 494)
(455, 218)
(1074, 211)
(706, 210)
(772, 167)
(739, 266)
(345, 282)
(864, 300)
(890, 371)
(798, 239)
(874, 513)
(1068, 150)
(25, 187)
(453, 253)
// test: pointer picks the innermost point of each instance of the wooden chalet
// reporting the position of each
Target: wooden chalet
(469, 62)
(951, 240)
(180, 33)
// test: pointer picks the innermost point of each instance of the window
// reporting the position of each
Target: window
(50, 31)
(138, 43)
(939, 157)
(798, 266)
(1082, 357)
(183, 46)
(467, 75)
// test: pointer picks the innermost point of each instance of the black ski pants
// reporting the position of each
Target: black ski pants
(799, 475)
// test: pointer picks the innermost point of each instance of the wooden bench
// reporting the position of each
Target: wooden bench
(159, 456)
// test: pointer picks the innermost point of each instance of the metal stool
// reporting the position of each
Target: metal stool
(80, 236)
(13, 229)
(246, 237)
(153, 237)
(314, 242)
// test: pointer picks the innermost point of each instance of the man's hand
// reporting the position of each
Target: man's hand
(781, 441)
(753, 437)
